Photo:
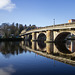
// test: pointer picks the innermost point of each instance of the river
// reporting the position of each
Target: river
(36, 58)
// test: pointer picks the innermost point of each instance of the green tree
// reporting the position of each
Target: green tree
(25, 26)
(12, 28)
(20, 28)
(16, 25)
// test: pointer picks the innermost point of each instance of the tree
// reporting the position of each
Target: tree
(16, 25)
(33, 27)
(25, 26)
(20, 28)
(12, 28)
(5, 27)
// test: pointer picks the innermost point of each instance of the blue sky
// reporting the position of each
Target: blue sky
(38, 12)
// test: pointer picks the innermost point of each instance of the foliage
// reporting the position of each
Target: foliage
(13, 30)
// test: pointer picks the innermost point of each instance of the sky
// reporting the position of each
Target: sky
(38, 12)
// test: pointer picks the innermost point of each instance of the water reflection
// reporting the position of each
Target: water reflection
(26, 59)
(67, 47)
(15, 48)
(34, 45)
(49, 47)
(70, 45)
(65, 50)
(62, 47)
(42, 46)
(59, 49)
(10, 48)
(8, 70)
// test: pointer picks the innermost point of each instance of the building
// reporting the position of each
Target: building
(71, 20)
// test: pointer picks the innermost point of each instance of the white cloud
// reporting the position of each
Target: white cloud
(7, 5)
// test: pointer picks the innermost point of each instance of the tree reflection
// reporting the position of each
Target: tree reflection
(10, 48)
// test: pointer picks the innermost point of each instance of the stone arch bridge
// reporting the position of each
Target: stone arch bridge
(50, 33)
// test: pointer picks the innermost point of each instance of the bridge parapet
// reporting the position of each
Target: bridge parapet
(55, 27)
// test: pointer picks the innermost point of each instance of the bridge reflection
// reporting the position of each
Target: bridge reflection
(67, 48)
(59, 51)
(64, 52)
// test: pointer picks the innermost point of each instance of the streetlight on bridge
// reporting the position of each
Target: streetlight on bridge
(53, 22)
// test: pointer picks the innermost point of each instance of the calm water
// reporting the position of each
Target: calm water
(14, 60)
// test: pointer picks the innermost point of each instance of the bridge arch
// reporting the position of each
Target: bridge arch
(61, 46)
(30, 37)
(42, 37)
(61, 36)
(42, 46)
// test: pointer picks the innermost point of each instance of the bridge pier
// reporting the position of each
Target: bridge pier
(26, 37)
(33, 45)
(22, 37)
(33, 36)
(49, 47)
(49, 36)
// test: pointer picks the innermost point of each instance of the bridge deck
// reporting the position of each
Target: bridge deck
(53, 27)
